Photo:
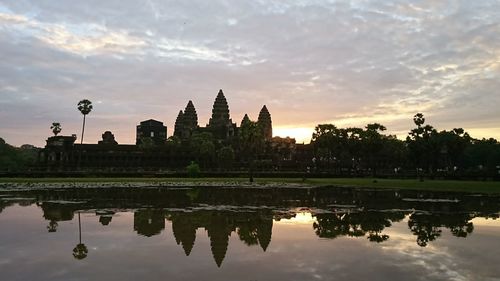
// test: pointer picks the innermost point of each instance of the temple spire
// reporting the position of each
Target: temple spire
(220, 111)
(190, 116)
(220, 125)
(179, 124)
(245, 120)
(265, 123)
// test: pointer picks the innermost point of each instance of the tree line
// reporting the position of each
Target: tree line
(425, 151)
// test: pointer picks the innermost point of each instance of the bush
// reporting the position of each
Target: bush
(193, 170)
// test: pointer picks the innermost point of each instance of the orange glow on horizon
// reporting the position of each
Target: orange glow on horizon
(301, 135)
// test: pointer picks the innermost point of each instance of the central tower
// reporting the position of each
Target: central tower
(220, 111)
(221, 124)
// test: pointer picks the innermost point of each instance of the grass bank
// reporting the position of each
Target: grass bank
(434, 185)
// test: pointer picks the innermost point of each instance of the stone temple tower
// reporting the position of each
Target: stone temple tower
(220, 111)
(179, 124)
(220, 124)
(265, 123)
(245, 120)
(190, 117)
(186, 122)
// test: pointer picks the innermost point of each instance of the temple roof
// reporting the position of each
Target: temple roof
(151, 122)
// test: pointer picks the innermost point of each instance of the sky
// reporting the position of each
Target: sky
(311, 62)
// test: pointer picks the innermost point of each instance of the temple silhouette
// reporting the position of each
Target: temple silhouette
(220, 145)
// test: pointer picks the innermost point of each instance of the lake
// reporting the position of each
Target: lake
(251, 233)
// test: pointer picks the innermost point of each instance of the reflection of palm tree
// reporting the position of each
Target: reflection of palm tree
(52, 227)
(80, 251)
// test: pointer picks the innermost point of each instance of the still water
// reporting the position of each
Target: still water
(247, 234)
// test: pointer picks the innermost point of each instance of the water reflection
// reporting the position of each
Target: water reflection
(80, 251)
(249, 214)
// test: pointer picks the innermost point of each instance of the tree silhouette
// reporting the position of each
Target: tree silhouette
(85, 107)
(423, 145)
(419, 119)
(202, 148)
(251, 143)
(373, 143)
(226, 157)
(56, 128)
(326, 142)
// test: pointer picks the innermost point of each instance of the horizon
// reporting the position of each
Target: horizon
(310, 63)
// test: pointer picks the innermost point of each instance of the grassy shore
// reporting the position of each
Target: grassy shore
(435, 185)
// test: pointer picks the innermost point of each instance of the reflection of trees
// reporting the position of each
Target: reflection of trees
(335, 225)
(54, 212)
(4, 204)
(149, 222)
(57, 211)
(248, 234)
(427, 227)
(256, 230)
(356, 224)
(424, 228)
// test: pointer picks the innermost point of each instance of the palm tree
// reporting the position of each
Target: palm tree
(85, 107)
(56, 128)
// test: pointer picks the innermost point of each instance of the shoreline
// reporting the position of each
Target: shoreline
(490, 187)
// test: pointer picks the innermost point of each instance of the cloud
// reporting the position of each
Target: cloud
(311, 62)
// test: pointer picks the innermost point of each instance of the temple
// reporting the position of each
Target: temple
(221, 145)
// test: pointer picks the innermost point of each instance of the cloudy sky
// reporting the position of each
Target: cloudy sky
(310, 62)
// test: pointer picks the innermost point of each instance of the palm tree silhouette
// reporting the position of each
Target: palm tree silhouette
(80, 251)
(56, 128)
(85, 107)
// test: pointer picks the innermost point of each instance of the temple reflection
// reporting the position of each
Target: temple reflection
(252, 227)
(334, 213)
